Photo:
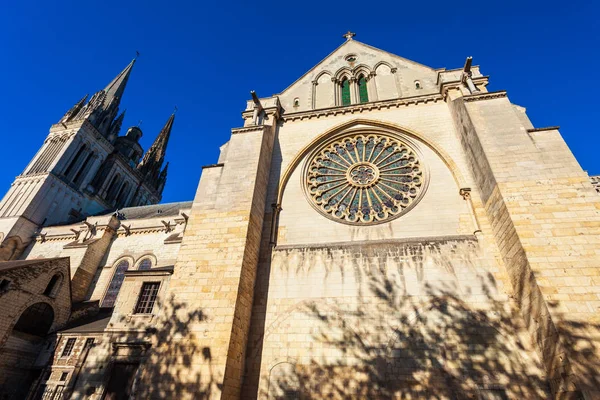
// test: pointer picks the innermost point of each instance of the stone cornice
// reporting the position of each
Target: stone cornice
(547, 128)
(394, 242)
(456, 84)
(485, 96)
(161, 271)
(247, 129)
(359, 108)
(213, 166)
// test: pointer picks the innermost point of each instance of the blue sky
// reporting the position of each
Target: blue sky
(205, 57)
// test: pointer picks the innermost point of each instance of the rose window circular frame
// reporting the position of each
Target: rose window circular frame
(364, 178)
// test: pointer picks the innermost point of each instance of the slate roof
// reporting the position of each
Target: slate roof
(154, 210)
(91, 324)
(6, 265)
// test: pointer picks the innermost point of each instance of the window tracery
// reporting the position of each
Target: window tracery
(364, 178)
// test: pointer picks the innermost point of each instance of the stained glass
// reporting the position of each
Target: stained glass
(364, 178)
(115, 284)
(362, 90)
(145, 265)
(345, 92)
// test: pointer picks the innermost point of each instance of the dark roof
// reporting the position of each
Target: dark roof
(91, 324)
(155, 210)
(6, 265)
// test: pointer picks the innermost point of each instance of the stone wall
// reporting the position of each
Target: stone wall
(393, 319)
(545, 217)
(19, 350)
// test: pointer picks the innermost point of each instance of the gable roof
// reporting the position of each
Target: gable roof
(349, 43)
(154, 210)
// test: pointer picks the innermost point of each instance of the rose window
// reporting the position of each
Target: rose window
(364, 178)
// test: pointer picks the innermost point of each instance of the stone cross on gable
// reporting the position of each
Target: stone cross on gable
(349, 35)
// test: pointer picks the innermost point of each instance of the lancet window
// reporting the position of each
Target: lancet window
(345, 92)
(362, 90)
(115, 284)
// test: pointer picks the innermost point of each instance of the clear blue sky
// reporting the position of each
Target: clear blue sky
(205, 57)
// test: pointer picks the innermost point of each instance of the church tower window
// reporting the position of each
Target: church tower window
(115, 284)
(362, 89)
(345, 92)
(80, 175)
(364, 179)
(73, 162)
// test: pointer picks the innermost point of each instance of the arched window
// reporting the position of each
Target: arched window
(53, 286)
(115, 284)
(36, 320)
(123, 193)
(75, 160)
(80, 175)
(362, 90)
(145, 265)
(345, 92)
(111, 193)
(417, 85)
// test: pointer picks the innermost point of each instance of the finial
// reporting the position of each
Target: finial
(139, 123)
(349, 35)
(175, 110)
(137, 54)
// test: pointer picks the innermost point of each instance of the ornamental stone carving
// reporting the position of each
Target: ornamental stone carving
(364, 178)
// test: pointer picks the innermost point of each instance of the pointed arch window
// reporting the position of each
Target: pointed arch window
(113, 188)
(123, 194)
(115, 284)
(75, 160)
(362, 90)
(80, 175)
(345, 92)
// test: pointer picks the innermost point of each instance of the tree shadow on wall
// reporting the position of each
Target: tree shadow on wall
(166, 370)
(436, 346)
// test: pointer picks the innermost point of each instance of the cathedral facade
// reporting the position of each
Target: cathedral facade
(378, 230)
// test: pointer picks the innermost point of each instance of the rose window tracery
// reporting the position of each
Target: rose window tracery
(364, 178)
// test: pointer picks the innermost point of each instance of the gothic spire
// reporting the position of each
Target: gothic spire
(115, 89)
(153, 159)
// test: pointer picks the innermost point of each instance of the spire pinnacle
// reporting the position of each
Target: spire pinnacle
(153, 160)
(116, 87)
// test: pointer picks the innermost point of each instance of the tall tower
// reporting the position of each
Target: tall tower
(83, 167)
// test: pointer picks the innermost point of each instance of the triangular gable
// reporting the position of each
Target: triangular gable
(390, 77)
(353, 46)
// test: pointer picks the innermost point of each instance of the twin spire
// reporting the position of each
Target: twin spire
(102, 111)
(151, 164)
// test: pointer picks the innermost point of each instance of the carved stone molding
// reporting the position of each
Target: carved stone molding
(547, 128)
(359, 108)
(485, 96)
(248, 129)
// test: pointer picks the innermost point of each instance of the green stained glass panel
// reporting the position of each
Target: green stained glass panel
(362, 90)
(345, 92)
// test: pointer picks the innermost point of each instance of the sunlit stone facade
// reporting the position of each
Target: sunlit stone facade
(379, 229)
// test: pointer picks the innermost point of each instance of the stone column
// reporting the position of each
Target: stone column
(545, 216)
(214, 275)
